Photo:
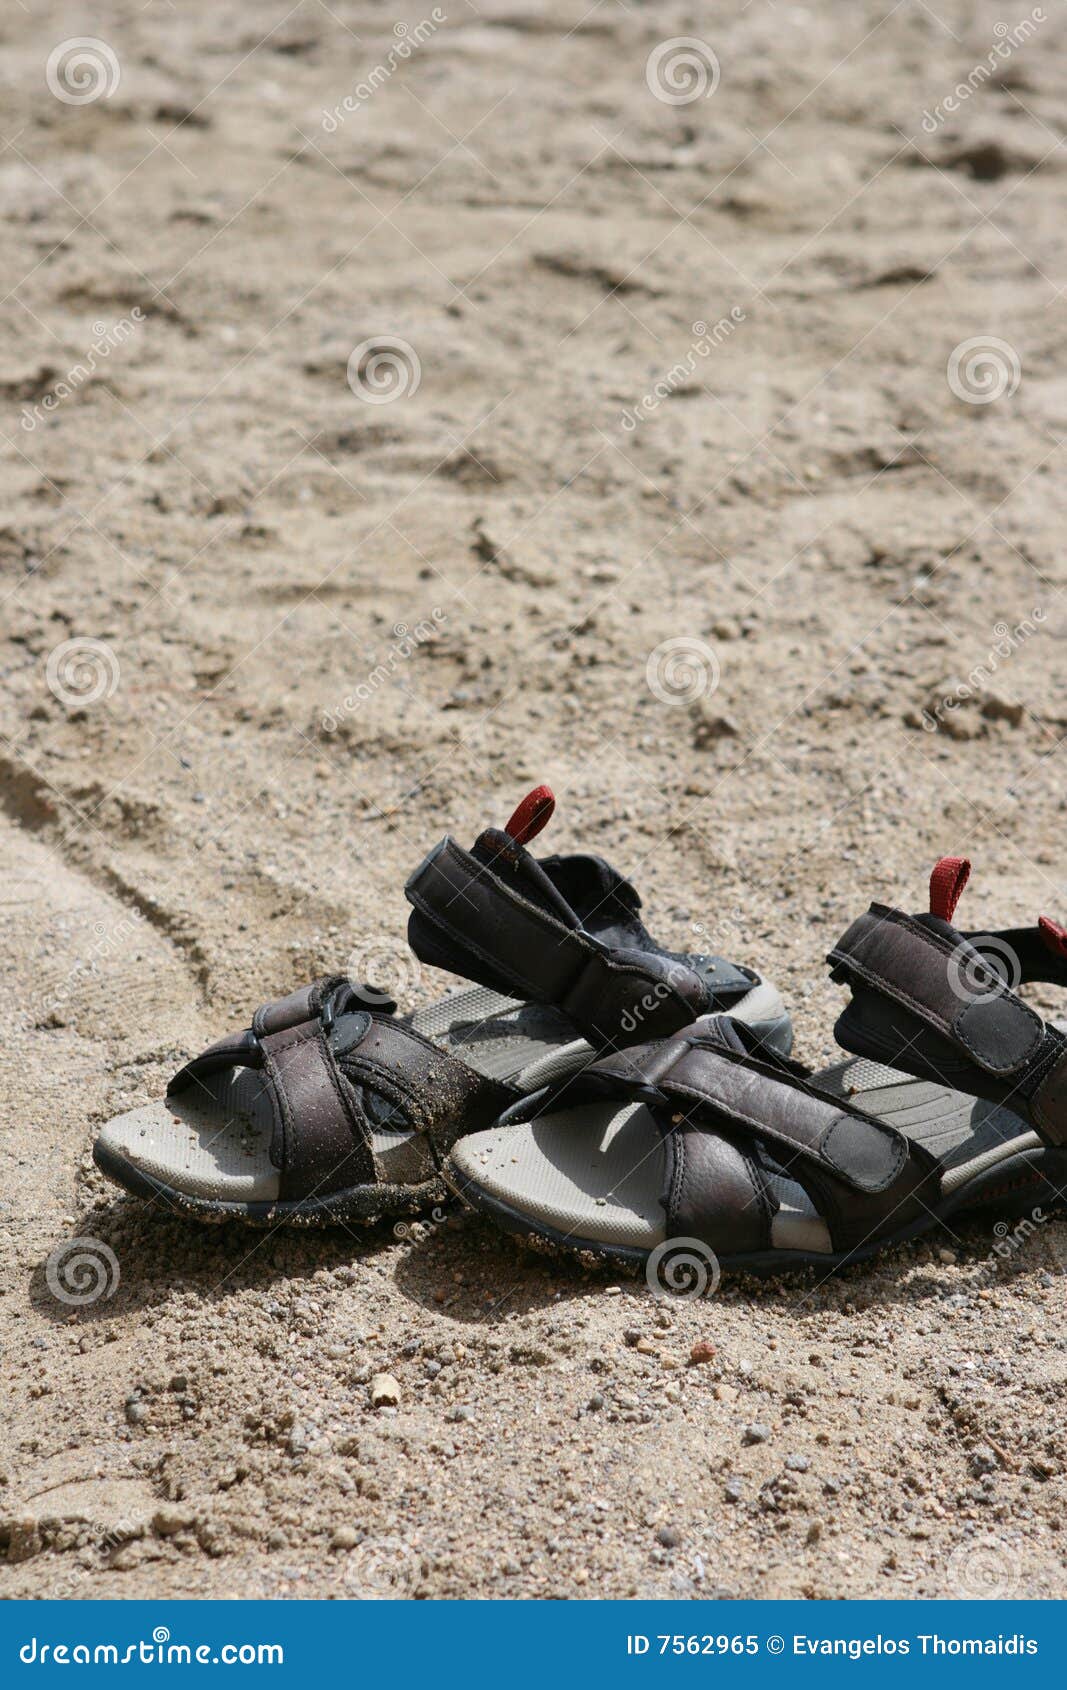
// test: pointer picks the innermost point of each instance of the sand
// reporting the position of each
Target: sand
(670, 372)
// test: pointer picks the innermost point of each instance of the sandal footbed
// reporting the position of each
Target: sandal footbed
(596, 1173)
(208, 1150)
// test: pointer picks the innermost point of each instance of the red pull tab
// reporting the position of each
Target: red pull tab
(1053, 934)
(532, 815)
(950, 876)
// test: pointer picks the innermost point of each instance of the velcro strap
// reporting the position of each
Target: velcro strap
(324, 1144)
(236, 1050)
(861, 1152)
(608, 993)
(526, 945)
(864, 1154)
(945, 985)
(1048, 1105)
(440, 1094)
(862, 1175)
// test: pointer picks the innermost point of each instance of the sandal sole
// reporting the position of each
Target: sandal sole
(360, 1205)
(1011, 1188)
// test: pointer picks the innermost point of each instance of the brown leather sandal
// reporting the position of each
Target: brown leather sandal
(704, 1150)
(331, 1107)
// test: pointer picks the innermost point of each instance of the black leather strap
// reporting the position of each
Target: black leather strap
(862, 1175)
(326, 1056)
(467, 909)
(325, 1142)
(926, 1000)
(948, 985)
(437, 1092)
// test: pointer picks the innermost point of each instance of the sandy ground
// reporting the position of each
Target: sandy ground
(222, 794)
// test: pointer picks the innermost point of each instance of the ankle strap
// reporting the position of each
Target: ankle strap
(943, 1009)
(948, 985)
(493, 915)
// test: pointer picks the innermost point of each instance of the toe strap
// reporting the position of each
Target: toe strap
(321, 1140)
(736, 1117)
(336, 1074)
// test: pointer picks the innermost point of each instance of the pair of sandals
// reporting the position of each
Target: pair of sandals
(596, 1093)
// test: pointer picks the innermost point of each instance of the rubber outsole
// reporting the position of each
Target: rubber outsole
(359, 1205)
(1010, 1188)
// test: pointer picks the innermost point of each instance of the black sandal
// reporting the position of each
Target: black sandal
(942, 1004)
(331, 1107)
(704, 1150)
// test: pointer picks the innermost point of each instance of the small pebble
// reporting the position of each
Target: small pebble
(797, 1463)
(756, 1433)
(733, 1490)
(345, 1537)
(173, 1518)
(703, 1350)
(384, 1391)
(669, 1536)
